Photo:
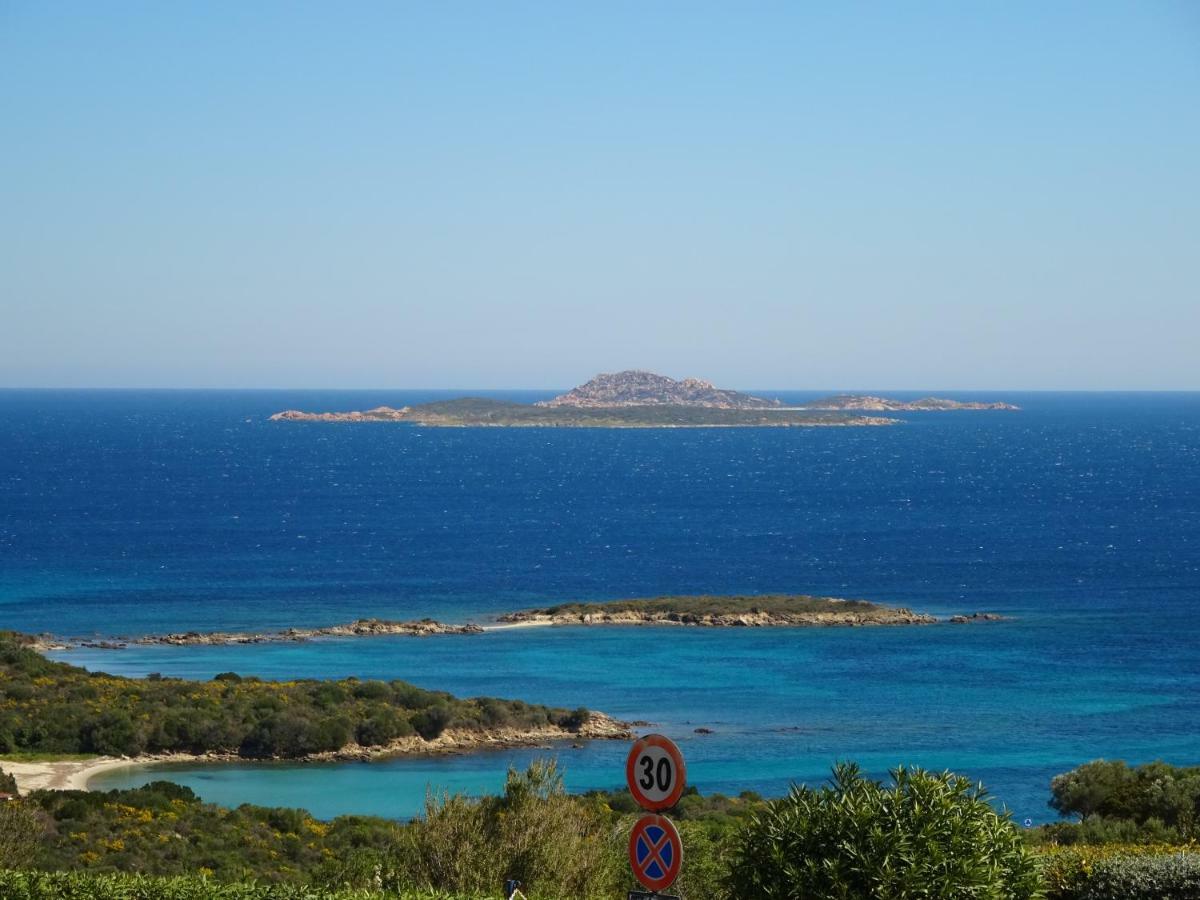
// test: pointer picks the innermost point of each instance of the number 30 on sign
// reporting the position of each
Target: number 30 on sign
(655, 773)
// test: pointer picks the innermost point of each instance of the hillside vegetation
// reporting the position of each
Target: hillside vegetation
(915, 836)
(53, 707)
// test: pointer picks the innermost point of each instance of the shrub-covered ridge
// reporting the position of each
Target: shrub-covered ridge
(54, 707)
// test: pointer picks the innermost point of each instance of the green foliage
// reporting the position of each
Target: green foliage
(8, 784)
(1176, 876)
(1122, 872)
(164, 829)
(925, 835)
(89, 886)
(21, 831)
(49, 707)
(559, 846)
(1117, 802)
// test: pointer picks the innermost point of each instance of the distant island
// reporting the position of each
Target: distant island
(768, 610)
(637, 399)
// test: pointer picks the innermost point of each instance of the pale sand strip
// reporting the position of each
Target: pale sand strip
(65, 775)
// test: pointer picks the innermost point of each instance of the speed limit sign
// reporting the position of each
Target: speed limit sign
(655, 773)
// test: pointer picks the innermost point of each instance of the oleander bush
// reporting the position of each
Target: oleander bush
(53, 707)
(924, 835)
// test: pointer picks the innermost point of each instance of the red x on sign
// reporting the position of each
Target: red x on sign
(655, 852)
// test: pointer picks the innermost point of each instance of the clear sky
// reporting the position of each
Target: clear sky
(958, 195)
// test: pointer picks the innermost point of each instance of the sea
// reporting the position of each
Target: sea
(134, 512)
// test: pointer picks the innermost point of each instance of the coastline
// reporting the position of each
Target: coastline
(75, 774)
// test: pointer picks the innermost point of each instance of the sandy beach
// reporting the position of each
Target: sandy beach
(68, 774)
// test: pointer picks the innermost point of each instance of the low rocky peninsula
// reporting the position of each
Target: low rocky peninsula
(780, 611)
(357, 628)
(711, 611)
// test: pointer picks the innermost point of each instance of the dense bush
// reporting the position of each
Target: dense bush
(21, 832)
(925, 835)
(57, 708)
(164, 829)
(559, 846)
(1118, 802)
(8, 784)
(1136, 871)
(1175, 876)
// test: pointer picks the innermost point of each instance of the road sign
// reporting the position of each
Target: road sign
(655, 773)
(655, 852)
(650, 895)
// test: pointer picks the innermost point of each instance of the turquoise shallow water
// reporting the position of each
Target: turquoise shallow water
(128, 513)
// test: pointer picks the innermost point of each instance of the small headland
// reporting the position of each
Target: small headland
(61, 723)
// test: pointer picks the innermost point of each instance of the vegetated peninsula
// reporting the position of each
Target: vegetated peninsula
(52, 707)
(772, 610)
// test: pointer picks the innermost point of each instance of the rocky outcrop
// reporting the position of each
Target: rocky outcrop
(638, 388)
(977, 617)
(867, 403)
(378, 414)
(597, 726)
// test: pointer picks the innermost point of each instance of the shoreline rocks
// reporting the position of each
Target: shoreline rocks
(357, 628)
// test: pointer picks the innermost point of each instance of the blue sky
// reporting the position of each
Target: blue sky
(985, 195)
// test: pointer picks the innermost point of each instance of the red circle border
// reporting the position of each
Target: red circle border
(656, 884)
(665, 743)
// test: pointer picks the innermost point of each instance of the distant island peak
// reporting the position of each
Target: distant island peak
(637, 387)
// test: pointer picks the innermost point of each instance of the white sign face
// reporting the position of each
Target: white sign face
(655, 773)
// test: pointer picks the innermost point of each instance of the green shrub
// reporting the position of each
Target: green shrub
(925, 835)
(559, 846)
(21, 830)
(1163, 797)
(88, 886)
(1162, 877)
(8, 784)
(1069, 872)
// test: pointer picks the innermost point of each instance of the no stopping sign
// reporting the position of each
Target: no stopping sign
(655, 773)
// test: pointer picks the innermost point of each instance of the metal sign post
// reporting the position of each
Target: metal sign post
(656, 775)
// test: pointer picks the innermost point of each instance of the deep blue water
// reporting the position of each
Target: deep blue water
(132, 512)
